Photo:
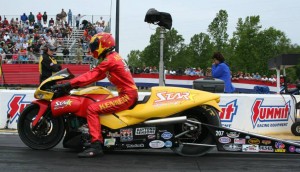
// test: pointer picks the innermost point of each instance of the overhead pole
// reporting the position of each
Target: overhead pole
(117, 24)
(161, 57)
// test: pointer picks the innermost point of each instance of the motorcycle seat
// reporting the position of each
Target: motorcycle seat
(145, 99)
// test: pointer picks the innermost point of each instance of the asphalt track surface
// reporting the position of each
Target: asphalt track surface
(15, 156)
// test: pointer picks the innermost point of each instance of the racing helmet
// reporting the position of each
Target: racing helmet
(101, 43)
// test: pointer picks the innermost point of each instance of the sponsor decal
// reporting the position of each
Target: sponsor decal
(168, 144)
(292, 148)
(135, 145)
(224, 140)
(280, 150)
(167, 135)
(297, 150)
(265, 116)
(165, 97)
(233, 134)
(145, 131)
(254, 141)
(109, 142)
(114, 103)
(115, 134)
(266, 142)
(247, 137)
(62, 104)
(219, 133)
(157, 144)
(15, 106)
(266, 149)
(232, 147)
(279, 145)
(151, 136)
(250, 148)
(126, 135)
(228, 112)
(239, 141)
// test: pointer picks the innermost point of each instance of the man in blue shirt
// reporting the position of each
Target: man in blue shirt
(220, 70)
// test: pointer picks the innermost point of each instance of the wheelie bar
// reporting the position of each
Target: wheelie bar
(235, 140)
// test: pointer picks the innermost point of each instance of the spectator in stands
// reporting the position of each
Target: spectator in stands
(265, 78)
(31, 18)
(66, 53)
(6, 36)
(18, 45)
(172, 72)
(78, 17)
(45, 17)
(24, 18)
(48, 64)
(51, 22)
(192, 72)
(257, 76)
(15, 56)
(221, 71)
(31, 28)
(272, 78)
(102, 22)
(154, 70)
(23, 56)
(79, 54)
(63, 15)
(44, 26)
(39, 19)
(247, 76)
(99, 28)
(25, 45)
(51, 40)
(70, 18)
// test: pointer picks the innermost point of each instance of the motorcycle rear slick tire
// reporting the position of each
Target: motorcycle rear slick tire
(204, 114)
(49, 135)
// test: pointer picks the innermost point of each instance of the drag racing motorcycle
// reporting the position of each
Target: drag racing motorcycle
(169, 117)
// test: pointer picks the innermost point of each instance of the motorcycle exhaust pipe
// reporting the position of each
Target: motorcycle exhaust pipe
(165, 121)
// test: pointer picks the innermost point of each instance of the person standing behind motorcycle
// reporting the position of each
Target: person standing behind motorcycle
(115, 69)
(48, 64)
(221, 71)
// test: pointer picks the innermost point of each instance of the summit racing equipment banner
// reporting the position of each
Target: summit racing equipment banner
(257, 113)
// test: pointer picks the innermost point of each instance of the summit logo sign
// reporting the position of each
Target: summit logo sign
(15, 106)
(265, 116)
(228, 111)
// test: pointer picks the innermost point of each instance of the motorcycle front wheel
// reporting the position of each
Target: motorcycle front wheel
(46, 135)
(198, 136)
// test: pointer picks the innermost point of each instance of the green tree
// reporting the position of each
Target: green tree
(173, 43)
(200, 50)
(244, 56)
(218, 30)
(134, 60)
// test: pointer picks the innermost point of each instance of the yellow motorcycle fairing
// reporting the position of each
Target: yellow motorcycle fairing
(94, 90)
(42, 94)
(163, 102)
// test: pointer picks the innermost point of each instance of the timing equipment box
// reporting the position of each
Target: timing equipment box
(209, 84)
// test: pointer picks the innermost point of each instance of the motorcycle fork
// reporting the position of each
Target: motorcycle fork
(41, 120)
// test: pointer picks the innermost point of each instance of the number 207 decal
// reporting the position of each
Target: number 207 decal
(219, 133)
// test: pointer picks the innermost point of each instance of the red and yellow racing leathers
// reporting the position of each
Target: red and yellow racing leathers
(115, 69)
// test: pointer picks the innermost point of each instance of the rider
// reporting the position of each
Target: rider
(115, 69)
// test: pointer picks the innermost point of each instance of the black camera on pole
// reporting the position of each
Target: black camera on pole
(160, 18)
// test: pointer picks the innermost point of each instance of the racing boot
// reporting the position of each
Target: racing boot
(95, 149)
